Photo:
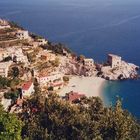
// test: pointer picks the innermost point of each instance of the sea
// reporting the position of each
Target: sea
(93, 28)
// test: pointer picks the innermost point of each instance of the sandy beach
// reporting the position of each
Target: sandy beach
(90, 86)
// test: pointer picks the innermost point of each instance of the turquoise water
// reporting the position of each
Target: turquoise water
(90, 27)
(126, 90)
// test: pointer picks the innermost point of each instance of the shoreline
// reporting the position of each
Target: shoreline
(90, 86)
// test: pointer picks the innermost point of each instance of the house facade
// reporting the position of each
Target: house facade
(21, 34)
(4, 68)
(42, 41)
(89, 62)
(114, 60)
(27, 89)
(51, 78)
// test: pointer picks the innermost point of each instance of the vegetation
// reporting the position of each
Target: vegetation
(5, 82)
(56, 62)
(35, 36)
(10, 126)
(57, 48)
(53, 118)
(66, 78)
(15, 25)
(8, 58)
(80, 58)
(31, 57)
(15, 72)
(12, 95)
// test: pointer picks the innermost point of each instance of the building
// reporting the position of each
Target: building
(27, 89)
(20, 57)
(73, 96)
(57, 85)
(89, 62)
(46, 55)
(21, 34)
(4, 68)
(50, 78)
(4, 24)
(42, 41)
(114, 60)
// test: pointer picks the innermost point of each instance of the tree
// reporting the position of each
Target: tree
(53, 118)
(10, 126)
(15, 72)
(9, 58)
(81, 58)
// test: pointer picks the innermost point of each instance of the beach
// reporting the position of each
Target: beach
(90, 86)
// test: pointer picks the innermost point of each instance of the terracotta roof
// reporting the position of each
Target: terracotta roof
(72, 96)
(57, 84)
(27, 85)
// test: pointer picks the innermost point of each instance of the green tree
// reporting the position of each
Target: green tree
(10, 126)
(15, 72)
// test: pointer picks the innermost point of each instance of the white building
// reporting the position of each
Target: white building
(51, 78)
(18, 53)
(89, 62)
(114, 60)
(27, 89)
(42, 41)
(21, 34)
(4, 68)
(57, 85)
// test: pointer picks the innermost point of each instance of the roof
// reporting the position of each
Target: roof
(88, 59)
(113, 55)
(27, 85)
(72, 96)
(57, 84)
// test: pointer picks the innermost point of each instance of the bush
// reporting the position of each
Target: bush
(11, 95)
(66, 78)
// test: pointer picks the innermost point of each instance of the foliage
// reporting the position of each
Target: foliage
(6, 59)
(80, 58)
(12, 95)
(10, 126)
(57, 48)
(35, 36)
(31, 57)
(56, 62)
(15, 72)
(4, 82)
(15, 25)
(66, 78)
(53, 118)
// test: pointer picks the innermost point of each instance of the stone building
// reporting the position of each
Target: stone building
(4, 68)
(21, 34)
(89, 62)
(114, 60)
